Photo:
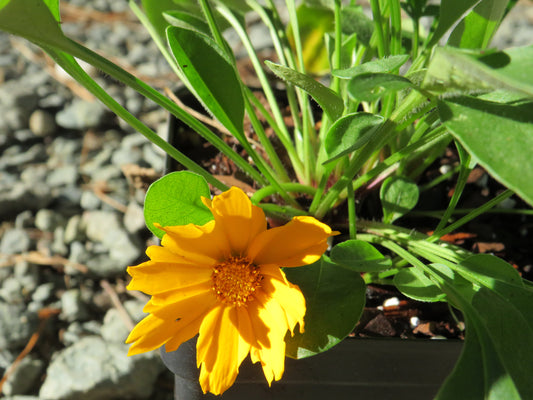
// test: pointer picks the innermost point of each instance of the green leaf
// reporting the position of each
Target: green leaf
(500, 329)
(34, 20)
(450, 12)
(398, 196)
(211, 73)
(475, 31)
(415, 284)
(175, 199)
(350, 133)
(354, 20)
(455, 70)
(359, 256)
(499, 136)
(154, 10)
(335, 298)
(383, 65)
(331, 102)
(372, 86)
(186, 20)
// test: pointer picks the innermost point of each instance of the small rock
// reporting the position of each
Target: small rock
(58, 243)
(43, 292)
(76, 331)
(74, 230)
(113, 328)
(72, 306)
(66, 175)
(11, 291)
(134, 218)
(16, 325)
(47, 220)
(89, 201)
(15, 241)
(42, 123)
(93, 369)
(22, 196)
(81, 115)
(24, 377)
(24, 220)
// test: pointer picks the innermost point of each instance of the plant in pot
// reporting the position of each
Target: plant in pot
(391, 99)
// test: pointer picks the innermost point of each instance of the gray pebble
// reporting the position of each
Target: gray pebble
(66, 175)
(42, 123)
(16, 325)
(47, 220)
(113, 328)
(74, 230)
(89, 201)
(72, 306)
(81, 115)
(15, 241)
(25, 219)
(11, 291)
(107, 374)
(134, 218)
(24, 377)
(43, 292)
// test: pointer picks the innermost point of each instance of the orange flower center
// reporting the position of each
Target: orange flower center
(235, 280)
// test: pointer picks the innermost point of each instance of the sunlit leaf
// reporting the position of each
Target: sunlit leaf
(349, 133)
(175, 199)
(499, 136)
(415, 284)
(330, 101)
(211, 74)
(383, 65)
(372, 86)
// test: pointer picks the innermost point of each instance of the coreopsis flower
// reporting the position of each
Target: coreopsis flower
(223, 280)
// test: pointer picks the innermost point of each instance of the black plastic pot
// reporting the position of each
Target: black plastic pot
(376, 369)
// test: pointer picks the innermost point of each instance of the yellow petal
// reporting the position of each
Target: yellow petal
(302, 241)
(151, 333)
(188, 331)
(289, 297)
(241, 220)
(185, 308)
(218, 350)
(204, 245)
(271, 356)
(173, 296)
(154, 277)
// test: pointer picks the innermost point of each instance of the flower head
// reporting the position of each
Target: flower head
(223, 280)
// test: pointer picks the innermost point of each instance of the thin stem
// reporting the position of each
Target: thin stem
(292, 187)
(396, 27)
(85, 54)
(378, 27)
(473, 214)
(464, 172)
(352, 218)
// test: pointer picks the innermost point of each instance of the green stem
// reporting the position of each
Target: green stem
(378, 28)
(85, 54)
(473, 214)
(266, 191)
(396, 27)
(383, 135)
(464, 172)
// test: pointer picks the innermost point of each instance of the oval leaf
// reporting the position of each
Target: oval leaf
(335, 298)
(330, 101)
(175, 199)
(211, 74)
(498, 136)
(398, 197)
(372, 86)
(350, 133)
(383, 65)
(359, 256)
(414, 284)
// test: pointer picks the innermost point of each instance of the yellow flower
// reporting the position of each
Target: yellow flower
(223, 280)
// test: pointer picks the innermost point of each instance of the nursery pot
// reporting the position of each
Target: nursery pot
(377, 369)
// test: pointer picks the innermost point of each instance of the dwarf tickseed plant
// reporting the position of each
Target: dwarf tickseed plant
(371, 99)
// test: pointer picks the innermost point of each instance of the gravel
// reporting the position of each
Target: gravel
(70, 221)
